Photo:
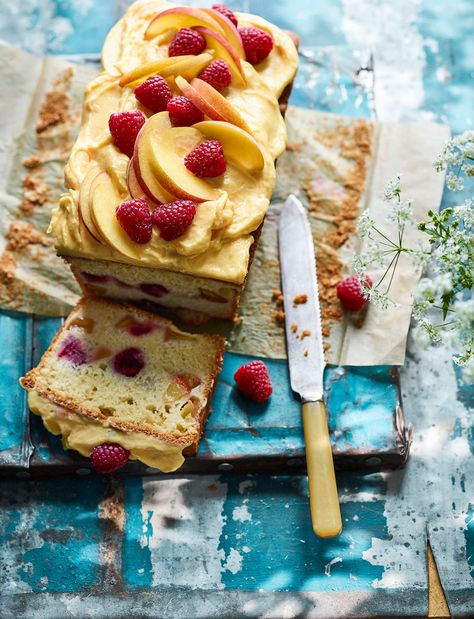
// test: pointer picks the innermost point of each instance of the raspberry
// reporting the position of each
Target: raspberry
(95, 279)
(206, 160)
(185, 42)
(257, 44)
(124, 127)
(154, 93)
(154, 290)
(135, 218)
(183, 112)
(73, 351)
(173, 218)
(253, 379)
(224, 10)
(350, 294)
(129, 362)
(139, 328)
(217, 74)
(108, 457)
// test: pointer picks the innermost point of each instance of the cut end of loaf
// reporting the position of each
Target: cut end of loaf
(116, 369)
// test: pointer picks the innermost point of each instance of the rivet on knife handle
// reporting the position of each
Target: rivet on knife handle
(323, 498)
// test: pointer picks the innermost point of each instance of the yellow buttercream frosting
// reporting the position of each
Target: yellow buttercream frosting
(217, 244)
(83, 435)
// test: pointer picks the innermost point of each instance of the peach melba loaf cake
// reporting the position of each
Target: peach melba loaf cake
(119, 383)
(170, 178)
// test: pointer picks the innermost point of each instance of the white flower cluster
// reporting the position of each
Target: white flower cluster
(458, 153)
(402, 212)
(440, 308)
(365, 224)
(392, 189)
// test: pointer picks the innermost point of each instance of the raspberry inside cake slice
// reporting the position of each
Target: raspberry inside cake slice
(115, 374)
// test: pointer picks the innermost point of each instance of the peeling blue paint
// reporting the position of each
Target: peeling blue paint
(46, 444)
(469, 536)
(15, 333)
(137, 566)
(278, 547)
(58, 540)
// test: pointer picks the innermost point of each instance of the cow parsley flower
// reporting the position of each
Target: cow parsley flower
(392, 190)
(454, 182)
(364, 224)
(440, 307)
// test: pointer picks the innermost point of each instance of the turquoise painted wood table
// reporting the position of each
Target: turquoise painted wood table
(227, 545)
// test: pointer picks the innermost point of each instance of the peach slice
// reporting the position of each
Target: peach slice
(199, 101)
(144, 174)
(180, 17)
(210, 101)
(188, 66)
(154, 192)
(231, 33)
(140, 73)
(239, 146)
(135, 188)
(224, 51)
(220, 103)
(167, 162)
(105, 199)
(84, 204)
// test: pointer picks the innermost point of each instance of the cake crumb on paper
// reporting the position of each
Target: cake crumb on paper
(305, 333)
(306, 353)
(279, 316)
(277, 297)
(354, 145)
(20, 235)
(35, 192)
(55, 108)
(33, 161)
(294, 327)
(295, 147)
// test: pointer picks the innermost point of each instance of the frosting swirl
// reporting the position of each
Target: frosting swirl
(217, 243)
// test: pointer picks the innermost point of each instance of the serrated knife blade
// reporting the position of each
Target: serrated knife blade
(302, 320)
(306, 361)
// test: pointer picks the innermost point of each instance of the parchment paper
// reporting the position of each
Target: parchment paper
(39, 119)
(336, 165)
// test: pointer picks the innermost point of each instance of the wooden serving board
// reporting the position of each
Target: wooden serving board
(366, 419)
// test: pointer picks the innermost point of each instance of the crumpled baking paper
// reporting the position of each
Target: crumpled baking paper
(337, 165)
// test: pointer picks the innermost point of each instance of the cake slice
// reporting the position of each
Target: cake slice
(117, 374)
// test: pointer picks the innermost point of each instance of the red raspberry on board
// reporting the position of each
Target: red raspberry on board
(224, 10)
(135, 218)
(350, 294)
(124, 128)
(254, 380)
(206, 160)
(187, 41)
(172, 219)
(217, 74)
(108, 457)
(183, 112)
(257, 44)
(154, 93)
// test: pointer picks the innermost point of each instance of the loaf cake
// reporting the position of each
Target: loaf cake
(115, 374)
(233, 80)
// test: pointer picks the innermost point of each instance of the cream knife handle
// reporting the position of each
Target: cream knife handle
(323, 499)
